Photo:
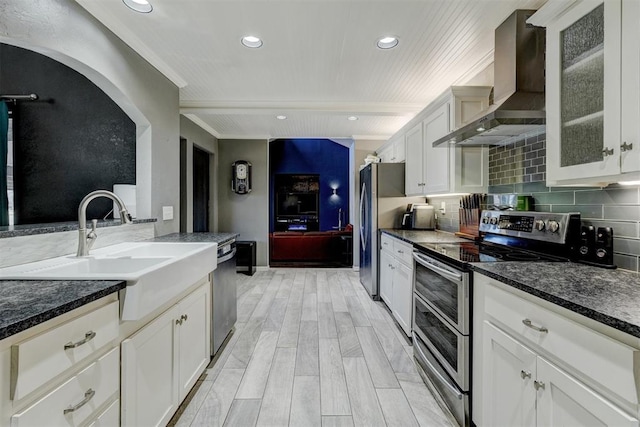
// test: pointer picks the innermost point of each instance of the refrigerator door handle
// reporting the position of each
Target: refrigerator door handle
(362, 216)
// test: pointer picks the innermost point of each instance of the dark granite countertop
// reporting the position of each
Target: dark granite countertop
(611, 297)
(56, 227)
(218, 238)
(27, 303)
(423, 236)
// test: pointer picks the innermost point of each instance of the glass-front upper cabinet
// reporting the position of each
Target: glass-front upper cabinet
(583, 91)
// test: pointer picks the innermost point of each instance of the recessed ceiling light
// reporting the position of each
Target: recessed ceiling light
(281, 117)
(251, 41)
(388, 42)
(142, 6)
(352, 118)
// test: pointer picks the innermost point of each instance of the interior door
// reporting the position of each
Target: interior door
(200, 190)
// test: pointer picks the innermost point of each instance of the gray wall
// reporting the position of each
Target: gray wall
(64, 31)
(197, 136)
(247, 214)
(522, 165)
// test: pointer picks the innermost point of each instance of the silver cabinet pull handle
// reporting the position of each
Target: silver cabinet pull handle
(184, 317)
(538, 385)
(87, 397)
(87, 337)
(607, 152)
(528, 323)
(179, 321)
(525, 374)
(400, 252)
(626, 147)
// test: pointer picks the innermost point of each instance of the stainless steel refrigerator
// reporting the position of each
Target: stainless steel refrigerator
(382, 202)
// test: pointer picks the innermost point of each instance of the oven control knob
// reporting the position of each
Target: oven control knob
(554, 226)
(485, 220)
(540, 226)
(493, 220)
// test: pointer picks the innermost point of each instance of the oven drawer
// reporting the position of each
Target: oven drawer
(605, 361)
(449, 346)
(457, 401)
(445, 289)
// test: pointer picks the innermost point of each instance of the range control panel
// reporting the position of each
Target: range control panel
(544, 226)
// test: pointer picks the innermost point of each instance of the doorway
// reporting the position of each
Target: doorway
(201, 190)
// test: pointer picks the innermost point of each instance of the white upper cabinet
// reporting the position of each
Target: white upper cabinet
(393, 151)
(414, 179)
(630, 148)
(442, 170)
(593, 106)
(436, 160)
(455, 169)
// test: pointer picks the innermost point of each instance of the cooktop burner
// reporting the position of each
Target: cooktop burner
(487, 252)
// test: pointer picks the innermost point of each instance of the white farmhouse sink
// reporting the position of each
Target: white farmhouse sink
(155, 272)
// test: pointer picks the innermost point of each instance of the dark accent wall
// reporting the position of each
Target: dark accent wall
(314, 156)
(71, 141)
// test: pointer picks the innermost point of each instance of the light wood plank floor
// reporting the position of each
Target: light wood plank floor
(311, 349)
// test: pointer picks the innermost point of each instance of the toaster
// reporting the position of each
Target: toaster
(423, 217)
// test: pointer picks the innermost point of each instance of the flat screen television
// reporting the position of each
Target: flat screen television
(297, 204)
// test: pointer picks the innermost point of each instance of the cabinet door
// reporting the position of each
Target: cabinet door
(509, 371)
(564, 401)
(386, 154)
(630, 148)
(414, 180)
(193, 345)
(399, 150)
(583, 91)
(386, 277)
(403, 296)
(436, 160)
(149, 394)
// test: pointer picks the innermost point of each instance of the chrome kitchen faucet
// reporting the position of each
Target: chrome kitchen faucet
(86, 241)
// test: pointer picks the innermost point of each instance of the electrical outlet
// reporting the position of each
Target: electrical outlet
(167, 213)
(443, 208)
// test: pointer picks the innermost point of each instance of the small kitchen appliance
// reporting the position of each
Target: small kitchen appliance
(419, 216)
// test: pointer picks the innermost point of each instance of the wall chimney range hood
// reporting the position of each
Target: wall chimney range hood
(518, 93)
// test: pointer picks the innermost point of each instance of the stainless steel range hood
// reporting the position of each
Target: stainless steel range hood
(519, 103)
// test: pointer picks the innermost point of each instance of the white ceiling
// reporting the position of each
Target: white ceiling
(319, 63)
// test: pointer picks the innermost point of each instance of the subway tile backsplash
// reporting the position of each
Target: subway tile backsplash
(520, 168)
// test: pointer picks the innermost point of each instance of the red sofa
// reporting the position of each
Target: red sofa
(307, 246)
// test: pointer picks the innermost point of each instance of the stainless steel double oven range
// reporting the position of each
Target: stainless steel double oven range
(443, 292)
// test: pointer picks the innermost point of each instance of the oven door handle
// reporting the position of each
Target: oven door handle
(442, 379)
(420, 259)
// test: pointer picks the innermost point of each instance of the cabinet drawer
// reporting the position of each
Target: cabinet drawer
(386, 243)
(403, 252)
(587, 353)
(42, 357)
(109, 418)
(82, 394)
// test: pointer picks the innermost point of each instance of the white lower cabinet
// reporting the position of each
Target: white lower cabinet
(539, 368)
(110, 417)
(75, 401)
(162, 361)
(402, 296)
(396, 280)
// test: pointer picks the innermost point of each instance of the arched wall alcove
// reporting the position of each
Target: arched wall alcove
(70, 141)
(65, 32)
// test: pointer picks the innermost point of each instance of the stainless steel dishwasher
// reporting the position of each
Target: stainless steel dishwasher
(224, 296)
